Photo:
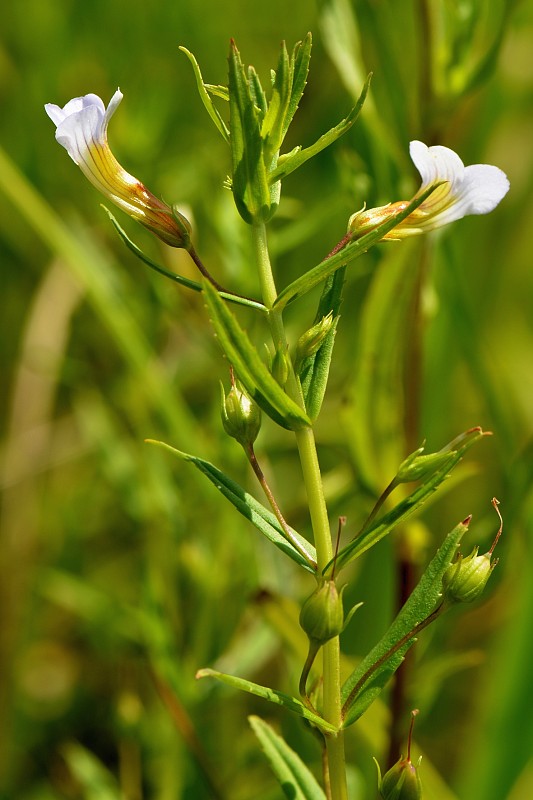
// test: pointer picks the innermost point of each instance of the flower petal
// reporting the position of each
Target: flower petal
(436, 163)
(81, 129)
(476, 189)
(82, 123)
(113, 105)
(483, 187)
(58, 114)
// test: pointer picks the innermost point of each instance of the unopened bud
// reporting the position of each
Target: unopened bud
(310, 341)
(402, 781)
(466, 578)
(241, 417)
(322, 614)
(417, 466)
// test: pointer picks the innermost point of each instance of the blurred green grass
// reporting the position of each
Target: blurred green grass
(109, 551)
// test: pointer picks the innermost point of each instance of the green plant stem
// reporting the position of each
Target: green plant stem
(305, 441)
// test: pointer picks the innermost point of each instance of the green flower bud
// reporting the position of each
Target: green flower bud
(416, 466)
(465, 579)
(322, 614)
(241, 417)
(401, 782)
(310, 341)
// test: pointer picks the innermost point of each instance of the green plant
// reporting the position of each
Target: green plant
(287, 383)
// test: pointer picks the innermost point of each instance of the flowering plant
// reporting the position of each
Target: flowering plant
(288, 388)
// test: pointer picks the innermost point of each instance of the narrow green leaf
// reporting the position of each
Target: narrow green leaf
(344, 37)
(314, 372)
(297, 782)
(365, 684)
(197, 287)
(249, 180)
(204, 91)
(385, 524)
(217, 90)
(136, 250)
(351, 251)
(300, 58)
(263, 519)
(257, 91)
(274, 121)
(272, 695)
(291, 161)
(252, 372)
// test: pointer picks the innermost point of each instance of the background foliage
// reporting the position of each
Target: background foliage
(122, 573)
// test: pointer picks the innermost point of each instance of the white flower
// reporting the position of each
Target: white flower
(81, 128)
(476, 189)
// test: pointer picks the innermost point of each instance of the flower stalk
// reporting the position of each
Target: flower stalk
(312, 478)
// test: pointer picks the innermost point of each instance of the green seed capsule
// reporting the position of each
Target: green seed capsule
(241, 417)
(465, 579)
(401, 782)
(322, 614)
(417, 467)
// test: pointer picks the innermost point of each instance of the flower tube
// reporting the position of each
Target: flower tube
(459, 191)
(81, 128)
